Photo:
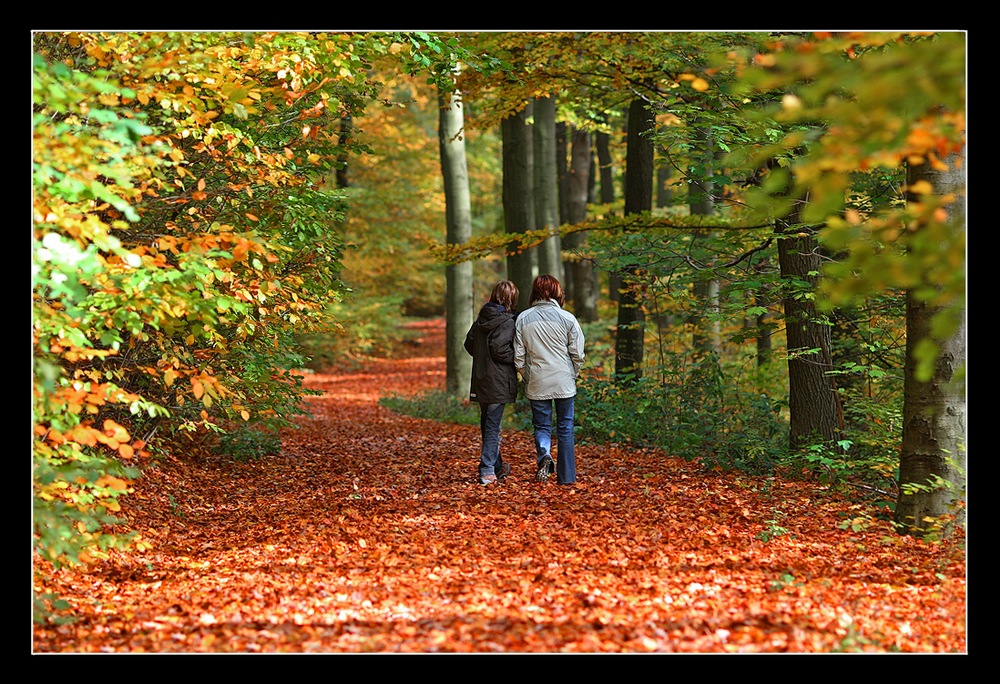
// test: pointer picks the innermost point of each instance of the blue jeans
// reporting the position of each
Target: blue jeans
(541, 421)
(490, 418)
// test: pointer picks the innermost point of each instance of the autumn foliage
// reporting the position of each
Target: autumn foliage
(184, 236)
(368, 533)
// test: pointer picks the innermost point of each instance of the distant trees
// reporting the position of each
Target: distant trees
(799, 135)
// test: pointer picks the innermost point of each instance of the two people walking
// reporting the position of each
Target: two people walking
(545, 345)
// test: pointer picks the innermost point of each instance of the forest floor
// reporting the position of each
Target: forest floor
(370, 534)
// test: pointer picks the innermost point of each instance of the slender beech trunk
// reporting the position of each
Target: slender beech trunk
(343, 140)
(933, 450)
(606, 174)
(706, 332)
(459, 304)
(562, 171)
(546, 185)
(584, 275)
(518, 202)
(630, 331)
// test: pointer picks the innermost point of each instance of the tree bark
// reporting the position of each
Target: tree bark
(584, 275)
(630, 331)
(546, 185)
(706, 333)
(605, 172)
(459, 303)
(812, 398)
(518, 200)
(934, 408)
(562, 171)
(343, 140)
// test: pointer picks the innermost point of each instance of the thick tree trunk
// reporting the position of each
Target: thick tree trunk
(518, 200)
(932, 462)
(630, 331)
(814, 414)
(458, 210)
(546, 186)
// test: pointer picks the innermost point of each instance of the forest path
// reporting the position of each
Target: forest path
(369, 534)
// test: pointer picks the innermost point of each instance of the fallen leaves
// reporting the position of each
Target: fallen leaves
(369, 534)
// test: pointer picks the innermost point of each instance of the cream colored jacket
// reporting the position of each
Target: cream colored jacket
(548, 351)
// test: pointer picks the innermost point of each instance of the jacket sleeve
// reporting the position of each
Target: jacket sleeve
(501, 343)
(576, 342)
(519, 350)
(469, 338)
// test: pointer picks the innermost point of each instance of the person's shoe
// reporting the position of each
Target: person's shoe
(545, 468)
(487, 479)
(504, 472)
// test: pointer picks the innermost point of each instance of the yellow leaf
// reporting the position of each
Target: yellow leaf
(245, 414)
(169, 377)
(116, 431)
(111, 482)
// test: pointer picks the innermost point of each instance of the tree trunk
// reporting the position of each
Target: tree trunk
(562, 171)
(518, 202)
(932, 461)
(605, 172)
(546, 186)
(664, 172)
(584, 276)
(630, 331)
(458, 210)
(706, 332)
(812, 399)
(344, 139)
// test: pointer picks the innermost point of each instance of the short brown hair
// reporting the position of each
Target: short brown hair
(546, 287)
(505, 294)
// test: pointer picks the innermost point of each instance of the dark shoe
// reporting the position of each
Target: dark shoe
(545, 468)
(487, 479)
(504, 472)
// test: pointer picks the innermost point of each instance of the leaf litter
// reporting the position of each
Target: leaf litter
(369, 534)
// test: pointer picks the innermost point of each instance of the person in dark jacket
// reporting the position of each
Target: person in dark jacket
(490, 341)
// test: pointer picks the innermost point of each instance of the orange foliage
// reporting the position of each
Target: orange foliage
(369, 533)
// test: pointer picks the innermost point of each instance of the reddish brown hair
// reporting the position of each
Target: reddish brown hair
(505, 294)
(546, 287)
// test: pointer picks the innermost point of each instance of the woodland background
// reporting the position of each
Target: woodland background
(763, 235)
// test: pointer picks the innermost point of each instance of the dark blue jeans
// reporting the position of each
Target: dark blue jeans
(490, 419)
(541, 421)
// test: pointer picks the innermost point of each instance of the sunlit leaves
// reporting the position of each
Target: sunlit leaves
(167, 168)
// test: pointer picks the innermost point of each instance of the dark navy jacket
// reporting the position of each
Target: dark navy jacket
(490, 341)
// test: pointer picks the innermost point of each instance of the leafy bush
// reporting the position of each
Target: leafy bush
(437, 405)
(694, 415)
(181, 243)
